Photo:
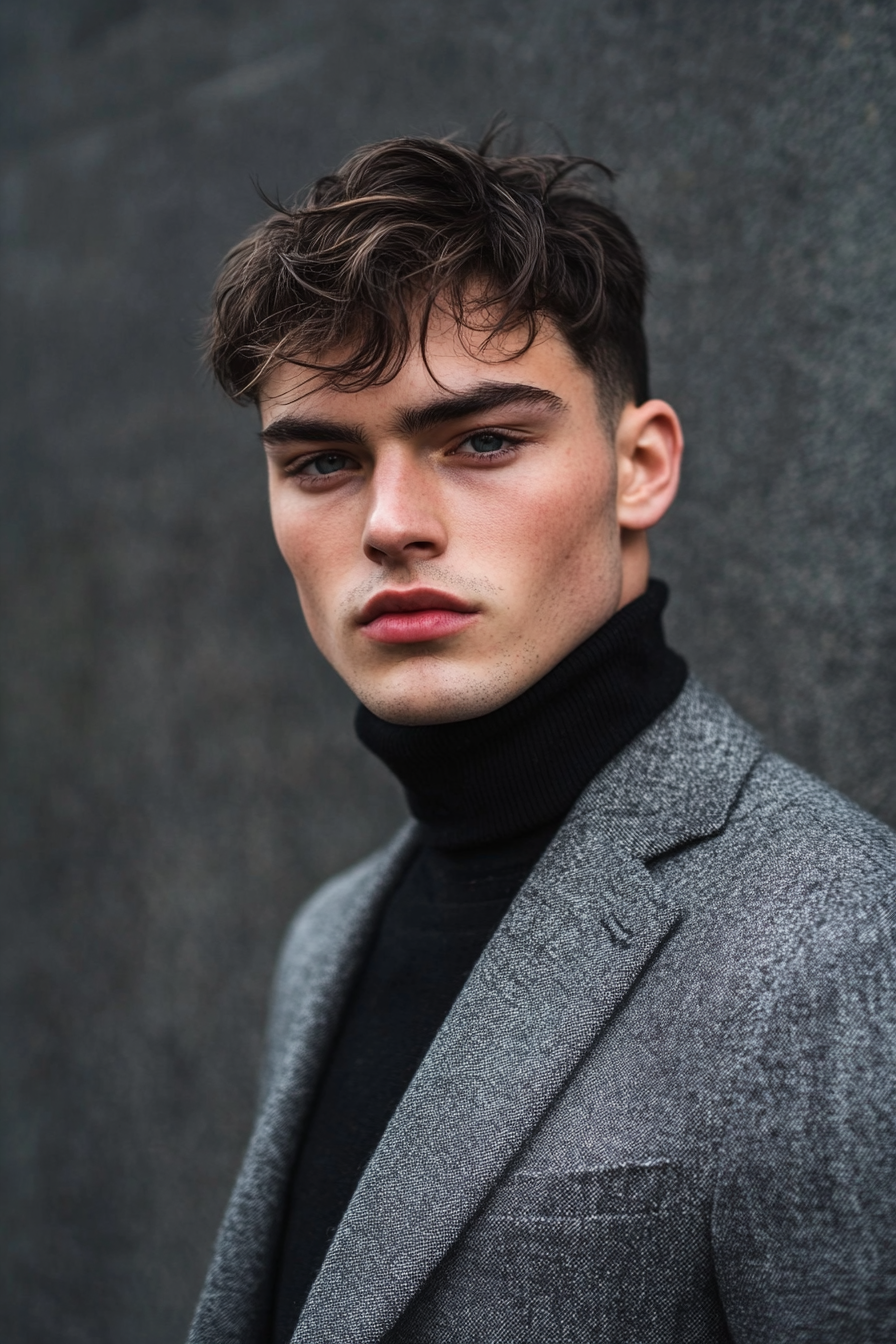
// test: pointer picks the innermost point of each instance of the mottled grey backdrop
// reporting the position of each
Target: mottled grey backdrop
(179, 766)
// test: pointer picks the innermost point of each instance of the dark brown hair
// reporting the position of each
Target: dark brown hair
(502, 243)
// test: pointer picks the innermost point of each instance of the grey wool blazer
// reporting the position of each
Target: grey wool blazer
(663, 1107)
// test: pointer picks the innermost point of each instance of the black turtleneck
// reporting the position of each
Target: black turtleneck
(489, 794)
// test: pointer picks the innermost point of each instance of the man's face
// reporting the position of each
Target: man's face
(454, 533)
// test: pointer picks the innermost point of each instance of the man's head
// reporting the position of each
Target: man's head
(447, 354)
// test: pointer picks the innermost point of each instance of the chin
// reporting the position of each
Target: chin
(443, 700)
(418, 710)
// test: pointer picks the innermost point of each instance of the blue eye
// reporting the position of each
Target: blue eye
(327, 464)
(486, 442)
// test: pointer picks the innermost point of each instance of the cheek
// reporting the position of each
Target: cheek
(547, 521)
(295, 539)
(315, 548)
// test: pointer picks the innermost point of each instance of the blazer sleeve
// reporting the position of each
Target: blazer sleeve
(804, 1217)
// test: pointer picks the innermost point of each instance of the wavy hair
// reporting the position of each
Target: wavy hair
(343, 283)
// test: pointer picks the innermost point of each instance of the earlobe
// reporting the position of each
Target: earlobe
(649, 445)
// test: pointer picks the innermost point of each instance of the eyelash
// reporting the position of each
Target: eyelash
(297, 468)
(509, 446)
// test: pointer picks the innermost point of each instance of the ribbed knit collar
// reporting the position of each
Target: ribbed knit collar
(523, 766)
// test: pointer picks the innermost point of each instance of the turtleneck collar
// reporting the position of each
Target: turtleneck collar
(521, 767)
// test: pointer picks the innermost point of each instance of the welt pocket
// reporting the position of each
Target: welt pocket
(626, 1191)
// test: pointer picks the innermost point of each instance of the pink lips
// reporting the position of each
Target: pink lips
(414, 615)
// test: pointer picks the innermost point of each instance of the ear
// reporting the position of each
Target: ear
(649, 444)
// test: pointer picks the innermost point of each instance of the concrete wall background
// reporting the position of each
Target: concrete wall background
(179, 767)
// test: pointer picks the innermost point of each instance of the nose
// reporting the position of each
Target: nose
(405, 521)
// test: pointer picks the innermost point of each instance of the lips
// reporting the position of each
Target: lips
(414, 615)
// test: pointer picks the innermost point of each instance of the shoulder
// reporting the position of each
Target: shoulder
(795, 896)
(778, 865)
(803, 832)
(772, 817)
(824, 876)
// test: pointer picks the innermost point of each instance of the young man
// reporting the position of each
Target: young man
(601, 1047)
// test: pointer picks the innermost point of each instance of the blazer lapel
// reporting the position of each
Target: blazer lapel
(333, 931)
(579, 934)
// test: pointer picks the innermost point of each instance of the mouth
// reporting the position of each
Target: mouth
(414, 616)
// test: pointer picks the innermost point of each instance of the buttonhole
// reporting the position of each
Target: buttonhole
(617, 931)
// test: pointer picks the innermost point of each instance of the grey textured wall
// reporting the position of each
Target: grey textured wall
(179, 768)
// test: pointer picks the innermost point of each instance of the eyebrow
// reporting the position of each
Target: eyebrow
(484, 397)
(300, 429)
(478, 400)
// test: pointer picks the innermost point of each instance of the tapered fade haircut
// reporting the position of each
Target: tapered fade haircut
(345, 283)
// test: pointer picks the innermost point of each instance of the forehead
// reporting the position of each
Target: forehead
(455, 362)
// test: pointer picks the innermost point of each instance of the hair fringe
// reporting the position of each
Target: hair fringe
(342, 283)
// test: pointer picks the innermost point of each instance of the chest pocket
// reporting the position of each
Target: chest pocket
(605, 1193)
(618, 1255)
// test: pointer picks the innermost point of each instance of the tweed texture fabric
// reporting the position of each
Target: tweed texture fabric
(662, 1109)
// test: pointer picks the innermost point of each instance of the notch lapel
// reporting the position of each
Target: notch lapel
(333, 932)
(577, 937)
